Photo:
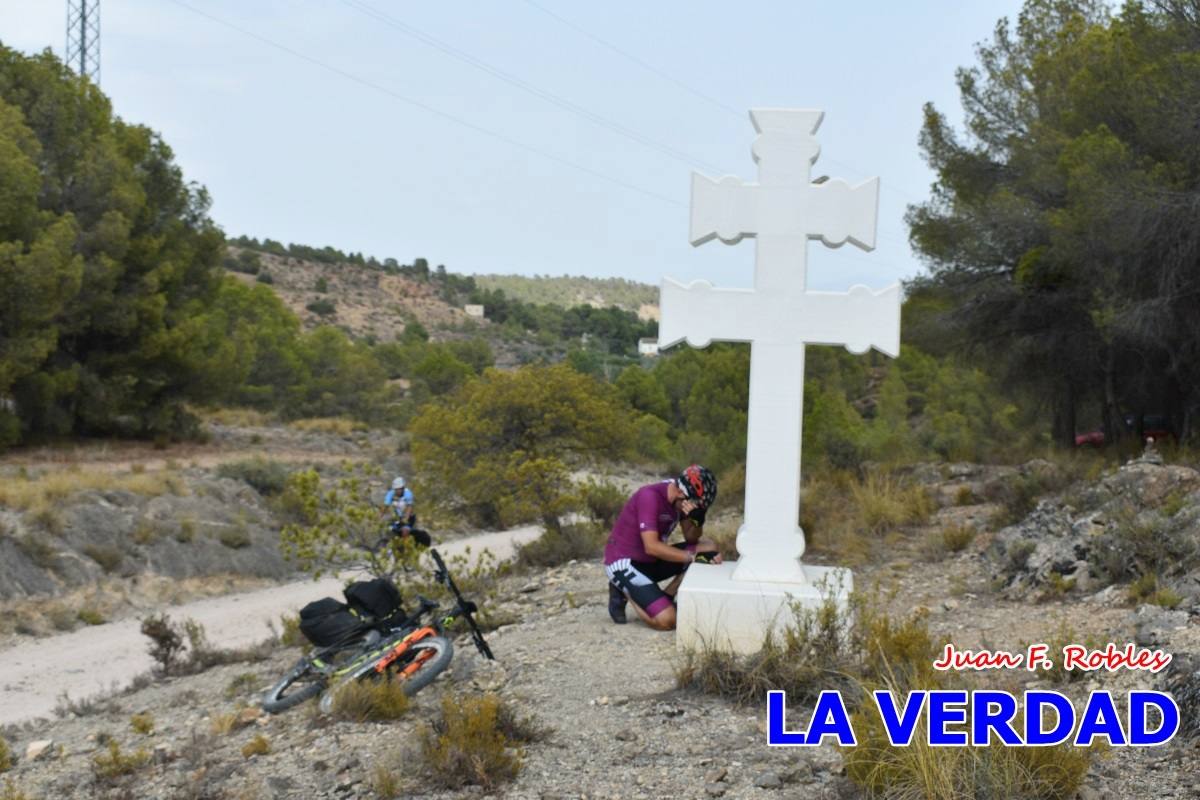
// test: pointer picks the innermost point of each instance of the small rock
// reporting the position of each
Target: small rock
(163, 753)
(768, 780)
(37, 749)
(626, 736)
(529, 588)
(716, 775)
(950, 604)
(602, 701)
(248, 716)
(715, 789)
(620, 700)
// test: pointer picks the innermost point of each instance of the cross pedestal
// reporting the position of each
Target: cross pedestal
(733, 605)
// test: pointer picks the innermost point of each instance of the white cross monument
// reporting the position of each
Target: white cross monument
(733, 605)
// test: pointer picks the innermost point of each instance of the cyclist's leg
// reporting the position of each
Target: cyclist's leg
(650, 602)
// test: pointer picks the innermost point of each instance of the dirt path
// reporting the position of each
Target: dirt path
(95, 659)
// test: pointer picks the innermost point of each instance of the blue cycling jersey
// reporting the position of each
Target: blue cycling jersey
(397, 500)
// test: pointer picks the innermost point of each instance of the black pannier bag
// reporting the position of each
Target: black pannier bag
(378, 598)
(326, 621)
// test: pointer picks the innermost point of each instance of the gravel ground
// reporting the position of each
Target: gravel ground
(620, 727)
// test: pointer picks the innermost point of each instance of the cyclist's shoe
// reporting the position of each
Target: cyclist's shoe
(616, 604)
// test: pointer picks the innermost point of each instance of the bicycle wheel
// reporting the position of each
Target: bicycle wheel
(431, 656)
(303, 683)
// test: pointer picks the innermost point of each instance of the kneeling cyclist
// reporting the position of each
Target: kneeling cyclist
(637, 556)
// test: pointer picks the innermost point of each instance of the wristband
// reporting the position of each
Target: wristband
(691, 548)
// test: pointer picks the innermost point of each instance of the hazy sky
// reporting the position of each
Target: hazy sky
(362, 150)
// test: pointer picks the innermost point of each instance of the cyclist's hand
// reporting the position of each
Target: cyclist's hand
(718, 558)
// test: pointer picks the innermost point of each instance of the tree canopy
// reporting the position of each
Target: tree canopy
(1062, 224)
(107, 258)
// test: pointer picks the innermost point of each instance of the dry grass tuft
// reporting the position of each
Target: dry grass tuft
(258, 746)
(381, 700)
(42, 493)
(5, 756)
(948, 773)
(335, 425)
(11, 792)
(236, 417)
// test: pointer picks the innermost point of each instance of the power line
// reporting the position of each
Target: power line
(426, 107)
(429, 40)
(496, 72)
(685, 87)
(442, 114)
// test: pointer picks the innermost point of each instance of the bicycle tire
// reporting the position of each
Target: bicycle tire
(432, 667)
(278, 698)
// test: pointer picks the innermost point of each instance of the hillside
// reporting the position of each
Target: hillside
(574, 290)
(365, 302)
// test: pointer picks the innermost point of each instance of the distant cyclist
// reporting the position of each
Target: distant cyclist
(637, 556)
(400, 502)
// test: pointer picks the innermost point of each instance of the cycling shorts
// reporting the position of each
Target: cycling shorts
(639, 581)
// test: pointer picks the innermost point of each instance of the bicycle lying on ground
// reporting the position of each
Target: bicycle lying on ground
(411, 650)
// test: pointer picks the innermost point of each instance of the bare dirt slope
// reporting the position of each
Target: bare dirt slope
(366, 302)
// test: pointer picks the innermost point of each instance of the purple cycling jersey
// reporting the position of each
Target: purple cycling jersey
(648, 509)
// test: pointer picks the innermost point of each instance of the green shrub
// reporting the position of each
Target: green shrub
(603, 501)
(241, 684)
(146, 532)
(49, 518)
(235, 537)
(187, 530)
(950, 539)
(142, 723)
(469, 744)
(90, 616)
(1017, 555)
(289, 631)
(38, 550)
(265, 476)
(1146, 589)
(323, 307)
(114, 763)
(5, 756)
(380, 700)
(577, 541)
(108, 557)
(166, 642)
(265, 277)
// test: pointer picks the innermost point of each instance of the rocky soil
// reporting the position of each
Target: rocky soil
(620, 727)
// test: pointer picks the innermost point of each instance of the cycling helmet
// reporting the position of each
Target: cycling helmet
(398, 483)
(698, 483)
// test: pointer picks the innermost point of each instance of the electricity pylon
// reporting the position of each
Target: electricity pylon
(83, 38)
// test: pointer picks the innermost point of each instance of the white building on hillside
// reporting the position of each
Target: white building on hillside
(648, 347)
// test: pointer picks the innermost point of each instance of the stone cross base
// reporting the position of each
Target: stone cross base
(716, 611)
